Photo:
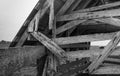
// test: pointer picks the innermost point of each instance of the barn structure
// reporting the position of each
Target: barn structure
(65, 29)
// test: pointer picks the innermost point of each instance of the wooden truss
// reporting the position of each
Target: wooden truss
(61, 22)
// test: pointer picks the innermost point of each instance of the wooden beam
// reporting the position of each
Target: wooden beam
(22, 39)
(109, 5)
(69, 25)
(106, 52)
(90, 15)
(65, 7)
(73, 6)
(84, 38)
(92, 53)
(111, 21)
(51, 15)
(81, 6)
(53, 47)
(108, 70)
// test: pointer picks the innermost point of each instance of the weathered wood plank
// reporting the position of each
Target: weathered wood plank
(84, 38)
(25, 25)
(69, 25)
(52, 46)
(90, 15)
(111, 21)
(92, 53)
(106, 52)
(51, 15)
(65, 7)
(81, 6)
(72, 7)
(22, 39)
(109, 5)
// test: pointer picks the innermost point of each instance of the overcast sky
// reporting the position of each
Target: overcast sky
(12, 15)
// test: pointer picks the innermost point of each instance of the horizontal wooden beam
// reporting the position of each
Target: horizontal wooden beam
(90, 15)
(109, 5)
(92, 53)
(84, 38)
(111, 21)
(108, 70)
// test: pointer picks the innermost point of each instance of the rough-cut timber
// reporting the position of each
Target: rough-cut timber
(53, 47)
(84, 38)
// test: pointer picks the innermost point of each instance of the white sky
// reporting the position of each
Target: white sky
(12, 15)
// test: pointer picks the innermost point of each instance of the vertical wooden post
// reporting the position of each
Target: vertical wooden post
(51, 15)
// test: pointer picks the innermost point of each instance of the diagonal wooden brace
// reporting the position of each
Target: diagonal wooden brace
(52, 46)
(106, 52)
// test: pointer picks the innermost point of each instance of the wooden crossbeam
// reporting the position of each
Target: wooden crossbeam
(106, 52)
(69, 25)
(65, 7)
(82, 6)
(111, 21)
(52, 46)
(84, 38)
(98, 7)
(72, 7)
(90, 15)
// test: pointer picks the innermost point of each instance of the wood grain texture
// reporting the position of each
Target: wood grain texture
(106, 52)
(84, 38)
(51, 45)
(109, 5)
(90, 15)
